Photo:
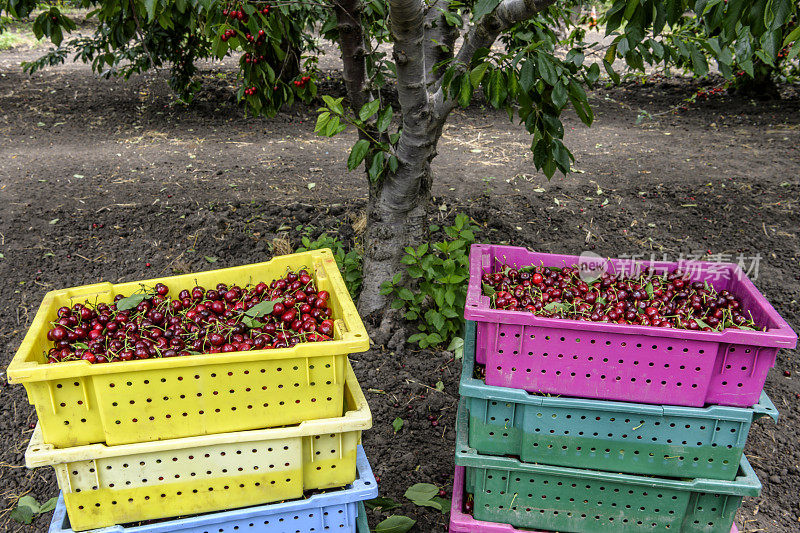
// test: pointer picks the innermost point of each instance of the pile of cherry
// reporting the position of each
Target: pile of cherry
(150, 324)
(669, 300)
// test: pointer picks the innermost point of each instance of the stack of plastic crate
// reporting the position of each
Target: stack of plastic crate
(578, 426)
(142, 441)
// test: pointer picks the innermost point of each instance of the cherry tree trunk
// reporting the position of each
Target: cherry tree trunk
(397, 215)
(397, 209)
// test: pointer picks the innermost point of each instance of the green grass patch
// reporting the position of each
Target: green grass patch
(11, 39)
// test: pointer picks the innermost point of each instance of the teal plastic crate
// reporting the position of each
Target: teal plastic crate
(533, 496)
(635, 438)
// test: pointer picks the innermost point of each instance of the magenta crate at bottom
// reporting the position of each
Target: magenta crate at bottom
(462, 522)
(622, 362)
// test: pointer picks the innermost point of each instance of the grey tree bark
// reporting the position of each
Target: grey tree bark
(397, 208)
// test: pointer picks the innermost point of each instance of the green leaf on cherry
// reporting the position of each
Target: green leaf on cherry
(251, 322)
(488, 290)
(554, 307)
(369, 109)
(129, 302)
(261, 309)
(649, 289)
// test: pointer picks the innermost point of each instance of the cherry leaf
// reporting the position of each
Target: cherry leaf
(130, 302)
(261, 309)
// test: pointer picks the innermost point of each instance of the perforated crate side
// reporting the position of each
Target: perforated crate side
(463, 522)
(331, 511)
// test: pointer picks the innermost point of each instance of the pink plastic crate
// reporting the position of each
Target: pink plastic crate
(461, 522)
(621, 362)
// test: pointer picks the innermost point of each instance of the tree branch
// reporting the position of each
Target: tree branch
(351, 41)
(484, 33)
(437, 34)
(407, 18)
(508, 13)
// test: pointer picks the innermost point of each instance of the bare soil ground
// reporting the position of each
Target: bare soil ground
(109, 180)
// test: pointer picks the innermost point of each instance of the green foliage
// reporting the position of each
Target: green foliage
(382, 503)
(438, 272)
(736, 34)
(395, 524)
(28, 508)
(397, 424)
(134, 36)
(528, 79)
(375, 145)
(348, 261)
(421, 491)
(427, 495)
(125, 42)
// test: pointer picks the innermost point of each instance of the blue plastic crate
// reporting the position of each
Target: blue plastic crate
(340, 511)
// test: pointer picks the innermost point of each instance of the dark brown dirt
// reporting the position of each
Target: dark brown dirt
(99, 178)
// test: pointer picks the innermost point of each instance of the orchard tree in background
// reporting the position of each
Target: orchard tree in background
(540, 71)
(132, 37)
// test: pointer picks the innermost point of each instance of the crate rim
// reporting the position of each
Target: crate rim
(364, 487)
(745, 484)
(357, 418)
(475, 388)
(350, 328)
(781, 336)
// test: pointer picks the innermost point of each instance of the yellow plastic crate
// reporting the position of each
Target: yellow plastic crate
(138, 401)
(107, 485)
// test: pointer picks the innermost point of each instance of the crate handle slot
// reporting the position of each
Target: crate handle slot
(725, 358)
(755, 350)
(52, 396)
(96, 473)
(85, 390)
